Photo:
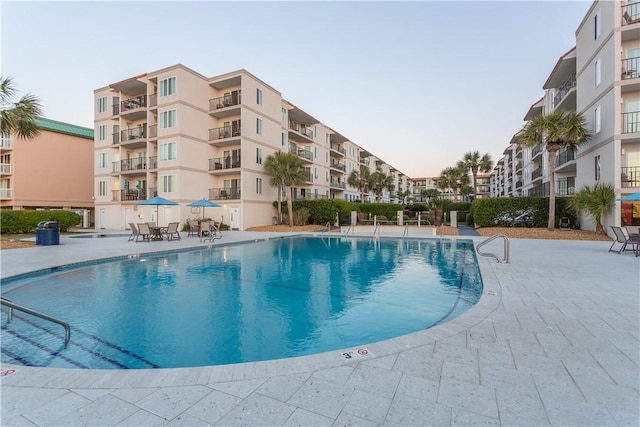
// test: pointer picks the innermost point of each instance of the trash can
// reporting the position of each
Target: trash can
(47, 233)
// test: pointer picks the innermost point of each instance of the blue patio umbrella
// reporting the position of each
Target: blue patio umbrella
(204, 203)
(635, 197)
(157, 201)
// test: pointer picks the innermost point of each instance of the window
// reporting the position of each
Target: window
(597, 168)
(101, 104)
(259, 96)
(596, 25)
(258, 185)
(259, 126)
(168, 183)
(597, 71)
(284, 115)
(102, 188)
(597, 120)
(167, 119)
(283, 139)
(5, 139)
(102, 160)
(259, 156)
(168, 86)
(168, 151)
(102, 132)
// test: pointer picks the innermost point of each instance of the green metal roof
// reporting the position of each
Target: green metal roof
(65, 128)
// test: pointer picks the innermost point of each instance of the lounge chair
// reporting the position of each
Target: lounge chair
(144, 231)
(172, 232)
(134, 231)
(623, 237)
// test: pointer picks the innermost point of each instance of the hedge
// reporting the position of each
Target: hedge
(486, 211)
(26, 221)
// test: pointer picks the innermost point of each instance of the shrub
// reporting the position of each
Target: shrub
(26, 221)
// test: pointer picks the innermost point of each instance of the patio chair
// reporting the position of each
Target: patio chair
(134, 231)
(172, 232)
(622, 237)
(205, 231)
(144, 231)
(194, 228)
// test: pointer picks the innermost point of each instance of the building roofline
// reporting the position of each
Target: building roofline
(64, 128)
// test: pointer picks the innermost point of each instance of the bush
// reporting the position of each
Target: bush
(486, 211)
(26, 221)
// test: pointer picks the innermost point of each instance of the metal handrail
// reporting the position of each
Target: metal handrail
(406, 231)
(376, 229)
(12, 305)
(492, 238)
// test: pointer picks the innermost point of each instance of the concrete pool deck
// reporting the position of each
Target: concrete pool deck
(554, 340)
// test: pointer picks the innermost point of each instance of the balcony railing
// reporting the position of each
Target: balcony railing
(631, 122)
(338, 148)
(223, 132)
(630, 177)
(631, 13)
(135, 133)
(536, 150)
(5, 168)
(153, 100)
(153, 131)
(564, 90)
(133, 103)
(130, 194)
(631, 68)
(229, 100)
(152, 162)
(336, 184)
(307, 196)
(5, 142)
(339, 166)
(365, 162)
(134, 164)
(301, 129)
(5, 193)
(564, 157)
(301, 152)
(536, 174)
(220, 163)
(224, 194)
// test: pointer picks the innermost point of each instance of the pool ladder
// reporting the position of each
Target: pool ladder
(490, 239)
(13, 306)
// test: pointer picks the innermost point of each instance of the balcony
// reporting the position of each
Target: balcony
(337, 149)
(5, 142)
(6, 168)
(153, 131)
(5, 193)
(135, 165)
(565, 157)
(303, 153)
(132, 194)
(630, 68)
(630, 177)
(631, 122)
(153, 100)
(338, 185)
(338, 166)
(225, 136)
(365, 162)
(564, 90)
(300, 132)
(134, 108)
(224, 164)
(535, 151)
(536, 174)
(226, 105)
(152, 162)
(224, 194)
(116, 138)
(134, 138)
(631, 14)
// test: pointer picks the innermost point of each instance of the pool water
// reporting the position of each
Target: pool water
(240, 303)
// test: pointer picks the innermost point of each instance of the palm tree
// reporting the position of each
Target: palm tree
(595, 201)
(359, 180)
(555, 130)
(451, 177)
(378, 182)
(19, 116)
(474, 162)
(287, 169)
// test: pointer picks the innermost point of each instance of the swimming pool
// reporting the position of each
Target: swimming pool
(238, 303)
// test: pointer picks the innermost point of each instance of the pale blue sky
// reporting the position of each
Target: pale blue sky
(417, 83)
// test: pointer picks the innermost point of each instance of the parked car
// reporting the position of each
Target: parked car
(521, 219)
